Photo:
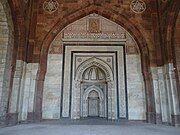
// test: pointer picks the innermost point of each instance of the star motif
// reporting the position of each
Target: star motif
(138, 6)
(50, 6)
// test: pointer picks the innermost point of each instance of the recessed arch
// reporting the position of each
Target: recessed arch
(100, 97)
(97, 62)
(95, 88)
(117, 18)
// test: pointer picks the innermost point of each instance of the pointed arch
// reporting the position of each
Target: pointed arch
(95, 88)
(94, 62)
(118, 18)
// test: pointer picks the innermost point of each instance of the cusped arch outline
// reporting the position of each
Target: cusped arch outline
(93, 88)
(94, 62)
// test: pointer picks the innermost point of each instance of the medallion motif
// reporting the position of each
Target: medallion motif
(138, 6)
(50, 6)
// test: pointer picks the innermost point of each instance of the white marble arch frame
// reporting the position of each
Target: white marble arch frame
(76, 85)
(94, 62)
(85, 101)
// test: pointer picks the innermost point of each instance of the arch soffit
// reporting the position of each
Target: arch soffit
(108, 14)
(95, 88)
(94, 62)
(174, 10)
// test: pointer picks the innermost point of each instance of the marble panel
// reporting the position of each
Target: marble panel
(52, 88)
(16, 86)
(28, 91)
(163, 93)
(136, 90)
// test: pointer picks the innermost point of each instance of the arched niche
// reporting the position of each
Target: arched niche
(94, 62)
(80, 93)
(61, 65)
(98, 97)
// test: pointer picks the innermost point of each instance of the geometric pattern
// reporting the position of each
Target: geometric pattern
(138, 6)
(50, 6)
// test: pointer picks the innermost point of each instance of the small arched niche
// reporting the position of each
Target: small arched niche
(93, 104)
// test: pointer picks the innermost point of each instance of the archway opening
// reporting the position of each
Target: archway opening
(93, 104)
(93, 93)
(111, 51)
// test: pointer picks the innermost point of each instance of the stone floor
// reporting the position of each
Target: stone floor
(89, 127)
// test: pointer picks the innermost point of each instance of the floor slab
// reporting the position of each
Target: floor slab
(90, 127)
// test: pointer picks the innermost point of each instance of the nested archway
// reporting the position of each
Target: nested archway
(119, 19)
(94, 62)
(93, 75)
(96, 95)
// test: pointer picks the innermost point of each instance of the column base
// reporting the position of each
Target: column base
(175, 120)
(2, 120)
(30, 117)
(151, 117)
(158, 118)
(11, 118)
(34, 116)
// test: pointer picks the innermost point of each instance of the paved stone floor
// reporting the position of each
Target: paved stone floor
(89, 127)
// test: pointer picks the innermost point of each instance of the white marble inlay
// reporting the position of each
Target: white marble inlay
(138, 6)
(50, 6)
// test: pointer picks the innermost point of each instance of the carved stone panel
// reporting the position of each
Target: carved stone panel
(94, 26)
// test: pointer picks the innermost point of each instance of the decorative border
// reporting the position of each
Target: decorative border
(125, 76)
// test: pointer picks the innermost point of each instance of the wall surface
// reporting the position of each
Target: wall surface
(52, 87)
(6, 47)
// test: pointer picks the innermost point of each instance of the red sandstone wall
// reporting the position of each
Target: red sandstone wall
(45, 21)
